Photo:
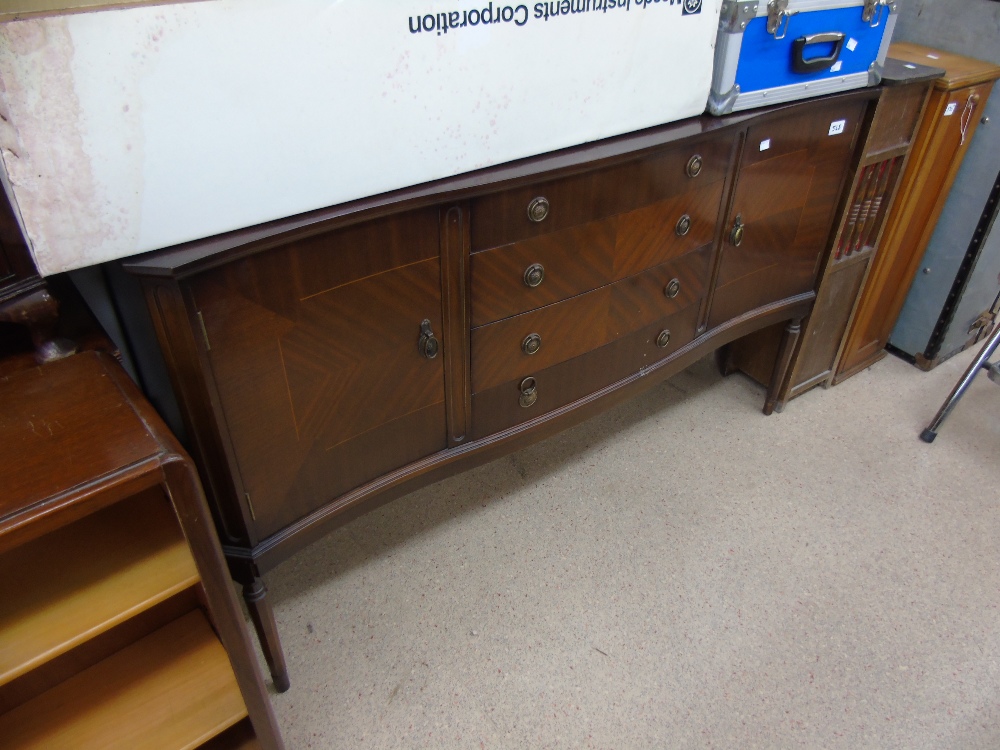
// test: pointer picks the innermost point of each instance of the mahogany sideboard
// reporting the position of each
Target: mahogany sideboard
(334, 360)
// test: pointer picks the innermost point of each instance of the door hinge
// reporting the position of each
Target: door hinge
(204, 330)
(250, 505)
(985, 320)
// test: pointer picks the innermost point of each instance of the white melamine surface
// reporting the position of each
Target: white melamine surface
(129, 130)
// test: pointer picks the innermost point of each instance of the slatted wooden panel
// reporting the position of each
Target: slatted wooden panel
(868, 201)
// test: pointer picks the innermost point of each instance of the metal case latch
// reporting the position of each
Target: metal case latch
(777, 11)
(872, 13)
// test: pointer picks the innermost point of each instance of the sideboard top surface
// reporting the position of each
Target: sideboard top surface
(196, 256)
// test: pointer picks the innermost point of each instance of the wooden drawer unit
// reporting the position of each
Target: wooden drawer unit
(501, 407)
(517, 214)
(513, 348)
(788, 186)
(299, 349)
(531, 273)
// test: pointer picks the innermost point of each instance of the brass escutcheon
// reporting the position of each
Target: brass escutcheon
(673, 288)
(538, 209)
(663, 339)
(531, 344)
(683, 225)
(534, 275)
(693, 168)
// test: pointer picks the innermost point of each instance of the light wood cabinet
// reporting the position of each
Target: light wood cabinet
(888, 133)
(949, 121)
(119, 628)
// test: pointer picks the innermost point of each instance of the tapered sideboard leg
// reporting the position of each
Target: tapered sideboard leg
(255, 594)
(781, 365)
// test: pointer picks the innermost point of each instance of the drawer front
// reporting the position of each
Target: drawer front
(580, 258)
(786, 198)
(502, 218)
(323, 388)
(504, 351)
(500, 407)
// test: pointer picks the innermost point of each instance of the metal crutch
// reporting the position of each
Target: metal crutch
(980, 362)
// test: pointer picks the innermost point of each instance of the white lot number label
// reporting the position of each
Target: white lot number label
(950, 109)
(765, 144)
(837, 127)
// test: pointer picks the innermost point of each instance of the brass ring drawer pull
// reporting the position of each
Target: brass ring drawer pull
(694, 165)
(663, 339)
(683, 225)
(672, 288)
(534, 275)
(736, 236)
(428, 344)
(538, 209)
(529, 392)
(531, 344)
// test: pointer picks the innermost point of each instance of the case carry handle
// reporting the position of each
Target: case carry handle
(801, 65)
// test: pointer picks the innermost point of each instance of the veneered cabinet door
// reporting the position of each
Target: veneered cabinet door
(787, 189)
(313, 348)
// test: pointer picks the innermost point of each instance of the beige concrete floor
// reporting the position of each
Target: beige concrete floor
(678, 572)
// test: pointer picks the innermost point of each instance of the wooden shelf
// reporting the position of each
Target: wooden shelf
(238, 737)
(72, 584)
(172, 689)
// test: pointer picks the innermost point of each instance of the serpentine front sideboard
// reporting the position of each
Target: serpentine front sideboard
(334, 360)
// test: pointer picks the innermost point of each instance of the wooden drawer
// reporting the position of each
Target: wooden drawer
(502, 217)
(584, 257)
(499, 408)
(575, 326)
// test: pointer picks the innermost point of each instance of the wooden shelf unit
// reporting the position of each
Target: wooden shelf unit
(172, 689)
(84, 579)
(119, 628)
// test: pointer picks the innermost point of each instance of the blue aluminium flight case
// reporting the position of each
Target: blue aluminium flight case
(775, 51)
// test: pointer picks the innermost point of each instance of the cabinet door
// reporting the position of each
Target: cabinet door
(313, 348)
(786, 196)
(945, 134)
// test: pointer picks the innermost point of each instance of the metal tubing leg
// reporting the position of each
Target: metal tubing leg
(979, 362)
